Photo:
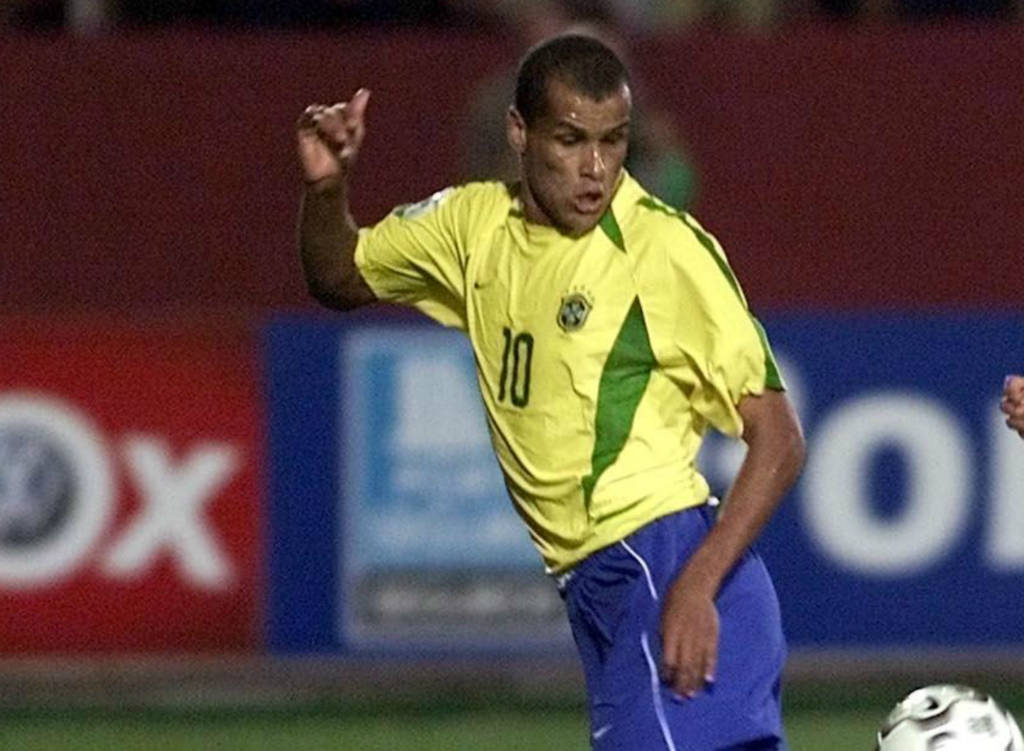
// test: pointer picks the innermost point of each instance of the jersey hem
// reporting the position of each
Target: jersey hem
(600, 542)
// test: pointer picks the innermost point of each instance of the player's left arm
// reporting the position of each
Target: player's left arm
(689, 621)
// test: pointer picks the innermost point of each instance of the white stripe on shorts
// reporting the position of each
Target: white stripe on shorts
(643, 565)
(659, 708)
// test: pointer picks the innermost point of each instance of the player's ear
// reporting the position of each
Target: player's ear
(516, 128)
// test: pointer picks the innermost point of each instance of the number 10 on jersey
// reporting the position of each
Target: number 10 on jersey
(515, 367)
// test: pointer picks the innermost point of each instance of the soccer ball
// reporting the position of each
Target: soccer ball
(946, 717)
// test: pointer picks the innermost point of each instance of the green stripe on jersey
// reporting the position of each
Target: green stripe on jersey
(623, 382)
(650, 203)
(709, 246)
(772, 378)
(611, 228)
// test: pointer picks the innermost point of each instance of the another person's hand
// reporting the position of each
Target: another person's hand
(329, 137)
(1012, 403)
(689, 637)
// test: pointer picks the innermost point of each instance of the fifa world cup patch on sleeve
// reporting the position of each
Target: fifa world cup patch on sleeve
(575, 308)
(418, 209)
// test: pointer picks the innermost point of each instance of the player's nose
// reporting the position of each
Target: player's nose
(593, 164)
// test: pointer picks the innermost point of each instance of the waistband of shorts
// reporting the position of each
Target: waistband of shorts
(709, 507)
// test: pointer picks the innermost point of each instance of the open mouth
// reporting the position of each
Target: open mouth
(589, 202)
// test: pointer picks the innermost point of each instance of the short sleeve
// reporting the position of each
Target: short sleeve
(415, 256)
(721, 351)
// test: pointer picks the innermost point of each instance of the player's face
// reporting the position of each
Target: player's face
(571, 156)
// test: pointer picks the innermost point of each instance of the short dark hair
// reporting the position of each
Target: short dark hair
(582, 62)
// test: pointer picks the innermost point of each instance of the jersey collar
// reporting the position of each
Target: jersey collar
(627, 193)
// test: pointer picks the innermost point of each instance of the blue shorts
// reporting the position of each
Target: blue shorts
(614, 601)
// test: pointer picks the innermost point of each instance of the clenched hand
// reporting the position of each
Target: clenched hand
(329, 137)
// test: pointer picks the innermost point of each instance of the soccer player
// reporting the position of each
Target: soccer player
(609, 334)
(1012, 403)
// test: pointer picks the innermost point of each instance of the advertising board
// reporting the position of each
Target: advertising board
(434, 551)
(906, 527)
(129, 490)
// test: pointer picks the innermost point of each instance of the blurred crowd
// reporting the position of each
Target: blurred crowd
(638, 16)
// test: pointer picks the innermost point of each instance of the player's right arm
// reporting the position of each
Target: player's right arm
(329, 138)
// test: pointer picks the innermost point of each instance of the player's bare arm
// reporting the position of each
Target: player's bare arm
(1012, 403)
(689, 620)
(329, 139)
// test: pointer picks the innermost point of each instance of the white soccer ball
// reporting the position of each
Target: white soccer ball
(946, 717)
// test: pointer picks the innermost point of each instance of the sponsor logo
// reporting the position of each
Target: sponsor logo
(58, 497)
(37, 487)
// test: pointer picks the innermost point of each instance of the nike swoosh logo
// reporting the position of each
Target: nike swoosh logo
(600, 732)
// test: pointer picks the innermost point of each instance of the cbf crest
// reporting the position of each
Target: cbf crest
(575, 308)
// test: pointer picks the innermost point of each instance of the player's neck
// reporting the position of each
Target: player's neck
(533, 211)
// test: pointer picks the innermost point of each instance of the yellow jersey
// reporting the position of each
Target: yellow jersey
(601, 359)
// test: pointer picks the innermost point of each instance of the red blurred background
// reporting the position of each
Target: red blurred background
(875, 168)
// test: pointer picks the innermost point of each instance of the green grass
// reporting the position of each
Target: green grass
(495, 731)
(473, 730)
(842, 730)
(557, 728)
(830, 716)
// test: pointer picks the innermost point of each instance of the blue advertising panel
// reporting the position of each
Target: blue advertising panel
(301, 382)
(907, 525)
(434, 553)
(391, 528)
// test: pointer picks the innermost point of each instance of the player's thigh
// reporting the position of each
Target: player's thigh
(751, 636)
(633, 710)
(743, 704)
